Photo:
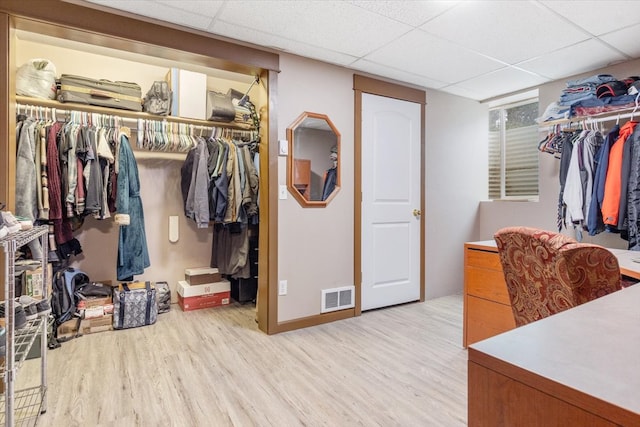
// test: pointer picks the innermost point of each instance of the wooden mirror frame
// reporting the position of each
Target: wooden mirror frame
(304, 202)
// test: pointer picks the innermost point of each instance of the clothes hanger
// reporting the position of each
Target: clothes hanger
(636, 107)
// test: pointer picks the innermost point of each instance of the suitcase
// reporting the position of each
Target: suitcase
(134, 304)
(103, 93)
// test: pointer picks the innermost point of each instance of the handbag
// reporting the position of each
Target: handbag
(134, 304)
(221, 107)
(158, 99)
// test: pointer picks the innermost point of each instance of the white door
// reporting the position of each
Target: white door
(390, 201)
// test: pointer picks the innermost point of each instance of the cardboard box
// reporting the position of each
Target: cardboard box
(189, 93)
(202, 275)
(98, 324)
(203, 296)
(32, 282)
(92, 308)
(69, 328)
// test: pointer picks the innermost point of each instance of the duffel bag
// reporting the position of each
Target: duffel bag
(103, 93)
(134, 304)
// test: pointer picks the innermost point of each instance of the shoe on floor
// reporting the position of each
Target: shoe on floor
(42, 306)
(11, 222)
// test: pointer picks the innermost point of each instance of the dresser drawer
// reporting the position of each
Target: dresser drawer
(486, 319)
(487, 284)
(482, 259)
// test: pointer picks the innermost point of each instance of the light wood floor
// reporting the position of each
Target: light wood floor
(400, 366)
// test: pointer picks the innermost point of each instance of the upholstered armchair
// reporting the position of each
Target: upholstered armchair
(548, 272)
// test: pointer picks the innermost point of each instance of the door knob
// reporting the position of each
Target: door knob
(417, 213)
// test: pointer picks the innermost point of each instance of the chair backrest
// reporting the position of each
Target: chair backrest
(548, 272)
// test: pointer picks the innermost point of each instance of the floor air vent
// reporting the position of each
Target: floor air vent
(337, 299)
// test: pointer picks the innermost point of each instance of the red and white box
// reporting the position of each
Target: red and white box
(195, 297)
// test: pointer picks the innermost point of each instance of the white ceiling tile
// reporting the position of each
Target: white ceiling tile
(338, 26)
(625, 40)
(414, 13)
(159, 11)
(207, 8)
(510, 31)
(506, 80)
(465, 93)
(279, 43)
(420, 53)
(396, 74)
(580, 58)
(596, 16)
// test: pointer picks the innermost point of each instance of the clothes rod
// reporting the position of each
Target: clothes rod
(586, 119)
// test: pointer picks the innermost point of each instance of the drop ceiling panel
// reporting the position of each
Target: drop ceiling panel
(626, 40)
(506, 80)
(282, 44)
(598, 17)
(580, 58)
(414, 13)
(440, 59)
(337, 26)
(396, 74)
(160, 11)
(205, 8)
(510, 31)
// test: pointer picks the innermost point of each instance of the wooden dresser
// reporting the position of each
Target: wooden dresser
(487, 309)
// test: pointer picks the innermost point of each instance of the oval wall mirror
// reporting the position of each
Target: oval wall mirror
(313, 167)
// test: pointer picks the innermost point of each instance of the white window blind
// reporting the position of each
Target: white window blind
(513, 151)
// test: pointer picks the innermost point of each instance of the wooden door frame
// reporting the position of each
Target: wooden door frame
(363, 84)
(97, 24)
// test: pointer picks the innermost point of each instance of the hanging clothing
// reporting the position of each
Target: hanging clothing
(565, 159)
(133, 256)
(633, 192)
(197, 201)
(219, 195)
(26, 199)
(578, 188)
(613, 182)
(595, 224)
(330, 179)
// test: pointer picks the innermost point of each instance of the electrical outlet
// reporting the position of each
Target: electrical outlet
(282, 287)
(282, 192)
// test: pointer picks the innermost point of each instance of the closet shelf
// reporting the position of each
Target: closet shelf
(23, 237)
(27, 101)
(623, 113)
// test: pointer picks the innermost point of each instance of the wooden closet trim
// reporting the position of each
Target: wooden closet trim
(95, 25)
(362, 84)
(7, 162)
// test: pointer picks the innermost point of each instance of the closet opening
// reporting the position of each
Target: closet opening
(143, 53)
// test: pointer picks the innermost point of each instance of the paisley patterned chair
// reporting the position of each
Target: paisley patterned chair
(548, 272)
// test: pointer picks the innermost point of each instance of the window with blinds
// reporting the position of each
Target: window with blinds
(513, 151)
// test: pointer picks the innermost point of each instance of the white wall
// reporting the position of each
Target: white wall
(315, 245)
(495, 215)
(456, 180)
